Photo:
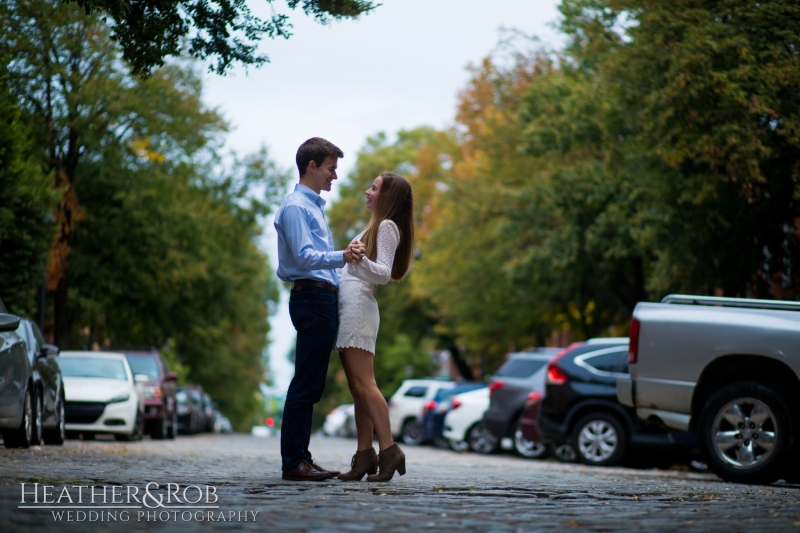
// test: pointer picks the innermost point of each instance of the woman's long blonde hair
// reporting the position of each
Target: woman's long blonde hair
(395, 203)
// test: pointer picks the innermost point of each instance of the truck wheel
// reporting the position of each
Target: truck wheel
(599, 439)
(412, 433)
(745, 431)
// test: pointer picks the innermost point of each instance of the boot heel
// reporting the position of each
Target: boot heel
(401, 468)
(372, 471)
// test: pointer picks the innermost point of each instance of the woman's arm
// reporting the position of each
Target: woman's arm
(380, 270)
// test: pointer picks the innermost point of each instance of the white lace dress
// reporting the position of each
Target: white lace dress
(358, 311)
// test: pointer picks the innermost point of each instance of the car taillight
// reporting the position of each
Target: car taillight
(534, 396)
(428, 407)
(555, 376)
(495, 385)
(456, 403)
(633, 343)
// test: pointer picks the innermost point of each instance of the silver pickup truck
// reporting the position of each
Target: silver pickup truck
(727, 368)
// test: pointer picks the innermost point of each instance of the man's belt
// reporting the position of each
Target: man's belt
(314, 283)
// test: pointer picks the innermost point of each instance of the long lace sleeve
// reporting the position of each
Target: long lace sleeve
(380, 270)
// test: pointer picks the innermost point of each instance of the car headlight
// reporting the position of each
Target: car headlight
(121, 398)
(150, 392)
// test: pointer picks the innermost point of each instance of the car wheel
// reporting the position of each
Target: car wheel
(565, 453)
(136, 434)
(159, 430)
(172, 431)
(411, 433)
(599, 439)
(38, 414)
(458, 445)
(745, 432)
(22, 437)
(528, 448)
(481, 440)
(58, 434)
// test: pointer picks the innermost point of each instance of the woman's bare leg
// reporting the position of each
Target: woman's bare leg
(361, 378)
(364, 427)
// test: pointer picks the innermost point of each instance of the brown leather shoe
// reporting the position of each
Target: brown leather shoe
(305, 472)
(333, 473)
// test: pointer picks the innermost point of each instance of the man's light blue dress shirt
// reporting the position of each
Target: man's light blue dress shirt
(305, 244)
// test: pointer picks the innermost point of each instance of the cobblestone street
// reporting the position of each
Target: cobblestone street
(443, 491)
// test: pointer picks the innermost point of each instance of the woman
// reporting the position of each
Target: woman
(389, 240)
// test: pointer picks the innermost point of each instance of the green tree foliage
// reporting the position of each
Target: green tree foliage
(224, 31)
(658, 152)
(709, 92)
(25, 204)
(157, 230)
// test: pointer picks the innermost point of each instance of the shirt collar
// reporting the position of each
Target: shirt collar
(310, 194)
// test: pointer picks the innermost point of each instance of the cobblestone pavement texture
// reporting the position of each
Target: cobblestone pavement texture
(442, 491)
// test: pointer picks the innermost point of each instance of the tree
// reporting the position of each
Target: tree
(709, 93)
(156, 230)
(226, 31)
(25, 206)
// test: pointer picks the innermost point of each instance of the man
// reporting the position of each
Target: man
(306, 259)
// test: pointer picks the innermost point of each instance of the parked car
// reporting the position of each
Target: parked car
(191, 410)
(158, 391)
(433, 413)
(208, 411)
(49, 426)
(101, 395)
(17, 405)
(509, 388)
(406, 404)
(463, 423)
(340, 422)
(728, 368)
(580, 406)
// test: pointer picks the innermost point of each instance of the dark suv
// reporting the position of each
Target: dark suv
(509, 387)
(580, 405)
(160, 407)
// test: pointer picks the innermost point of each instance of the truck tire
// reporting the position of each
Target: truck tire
(600, 439)
(745, 431)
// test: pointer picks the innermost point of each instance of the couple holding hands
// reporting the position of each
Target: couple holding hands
(333, 307)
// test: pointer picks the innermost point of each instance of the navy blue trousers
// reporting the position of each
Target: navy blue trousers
(315, 316)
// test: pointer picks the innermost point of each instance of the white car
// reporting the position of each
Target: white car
(405, 407)
(340, 422)
(101, 395)
(463, 423)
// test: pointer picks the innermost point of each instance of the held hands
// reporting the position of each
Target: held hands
(354, 253)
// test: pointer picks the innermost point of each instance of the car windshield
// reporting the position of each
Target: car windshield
(92, 367)
(519, 368)
(143, 364)
(181, 397)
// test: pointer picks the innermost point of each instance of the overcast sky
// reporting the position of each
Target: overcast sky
(400, 67)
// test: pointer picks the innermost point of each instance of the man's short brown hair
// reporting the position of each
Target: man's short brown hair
(315, 149)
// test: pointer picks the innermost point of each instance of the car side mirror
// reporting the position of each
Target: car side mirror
(141, 378)
(49, 349)
(171, 376)
(8, 322)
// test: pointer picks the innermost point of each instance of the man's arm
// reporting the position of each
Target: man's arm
(301, 244)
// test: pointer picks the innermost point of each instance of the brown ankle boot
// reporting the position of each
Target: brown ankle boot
(364, 462)
(389, 460)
